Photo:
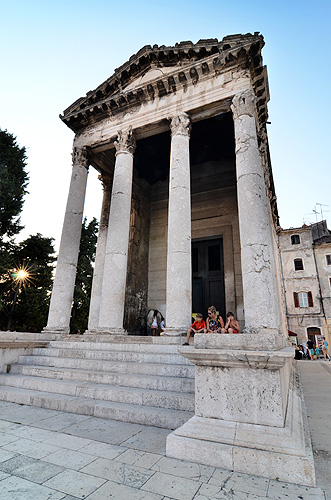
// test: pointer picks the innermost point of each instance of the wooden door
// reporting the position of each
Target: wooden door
(208, 276)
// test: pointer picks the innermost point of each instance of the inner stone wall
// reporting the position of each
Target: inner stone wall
(157, 262)
(137, 275)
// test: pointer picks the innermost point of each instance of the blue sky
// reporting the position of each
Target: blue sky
(54, 52)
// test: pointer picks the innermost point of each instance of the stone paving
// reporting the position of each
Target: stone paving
(50, 455)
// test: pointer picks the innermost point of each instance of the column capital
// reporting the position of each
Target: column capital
(125, 142)
(106, 181)
(80, 156)
(180, 125)
(243, 103)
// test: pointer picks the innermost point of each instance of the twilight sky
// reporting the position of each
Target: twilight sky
(53, 52)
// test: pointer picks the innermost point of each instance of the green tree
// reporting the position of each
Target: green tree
(24, 302)
(13, 183)
(83, 284)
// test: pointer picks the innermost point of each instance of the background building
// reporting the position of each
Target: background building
(306, 272)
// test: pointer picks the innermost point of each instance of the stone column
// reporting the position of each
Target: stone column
(64, 281)
(179, 275)
(115, 266)
(93, 320)
(255, 223)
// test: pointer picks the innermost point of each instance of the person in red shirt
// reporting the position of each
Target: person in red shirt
(199, 326)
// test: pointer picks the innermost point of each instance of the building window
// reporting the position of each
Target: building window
(298, 264)
(330, 281)
(303, 299)
(295, 239)
(328, 259)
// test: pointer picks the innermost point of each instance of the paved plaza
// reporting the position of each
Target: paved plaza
(51, 455)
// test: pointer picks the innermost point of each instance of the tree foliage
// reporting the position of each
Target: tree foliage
(24, 303)
(83, 284)
(13, 183)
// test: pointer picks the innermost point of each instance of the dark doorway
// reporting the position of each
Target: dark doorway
(208, 276)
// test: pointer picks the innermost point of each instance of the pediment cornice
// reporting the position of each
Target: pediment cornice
(174, 68)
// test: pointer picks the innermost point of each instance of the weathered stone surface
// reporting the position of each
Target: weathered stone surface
(64, 281)
(241, 386)
(261, 301)
(93, 320)
(115, 265)
(137, 275)
(179, 274)
(282, 452)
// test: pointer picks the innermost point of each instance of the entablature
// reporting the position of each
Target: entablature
(184, 66)
(199, 102)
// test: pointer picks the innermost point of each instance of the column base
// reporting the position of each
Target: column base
(174, 332)
(91, 331)
(109, 331)
(282, 453)
(61, 331)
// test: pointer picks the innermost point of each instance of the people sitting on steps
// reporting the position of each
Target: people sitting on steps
(213, 324)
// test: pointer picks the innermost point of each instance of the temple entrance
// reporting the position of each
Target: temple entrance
(208, 276)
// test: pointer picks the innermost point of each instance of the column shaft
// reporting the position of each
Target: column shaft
(64, 281)
(93, 320)
(179, 275)
(115, 265)
(255, 223)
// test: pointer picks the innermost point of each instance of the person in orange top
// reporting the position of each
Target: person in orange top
(199, 326)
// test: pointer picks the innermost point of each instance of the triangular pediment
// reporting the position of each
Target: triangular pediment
(159, 70)
(151, 75)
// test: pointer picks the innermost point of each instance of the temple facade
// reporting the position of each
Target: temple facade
(189, 219)
(189, 216)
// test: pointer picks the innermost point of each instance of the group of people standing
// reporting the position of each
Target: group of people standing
(214, 324)
(311, 351)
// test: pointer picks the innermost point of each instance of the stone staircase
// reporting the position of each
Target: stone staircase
(143, 383)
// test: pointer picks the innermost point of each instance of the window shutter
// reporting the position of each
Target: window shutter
(310, 300)
(296, 299)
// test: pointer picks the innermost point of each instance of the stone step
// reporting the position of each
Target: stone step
(162, 369)
(176, 384)
(104, 392)
(106, 355)
(131, 347)
(146, 415)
